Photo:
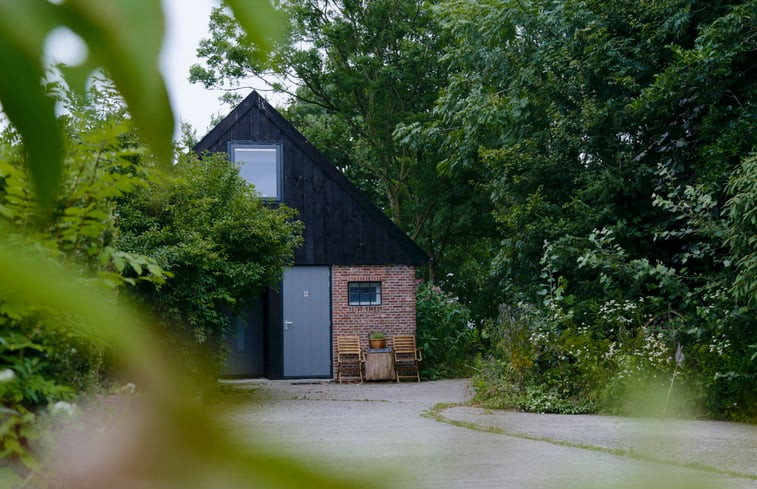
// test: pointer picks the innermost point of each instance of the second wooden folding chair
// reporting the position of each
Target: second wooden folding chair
(406, 357)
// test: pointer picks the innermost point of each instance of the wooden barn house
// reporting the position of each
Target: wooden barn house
(355, 272)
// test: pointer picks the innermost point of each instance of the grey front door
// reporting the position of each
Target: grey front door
(307, 322)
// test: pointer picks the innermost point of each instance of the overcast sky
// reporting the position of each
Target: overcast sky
(186, 24)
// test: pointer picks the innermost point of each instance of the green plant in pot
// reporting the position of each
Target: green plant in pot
(377, 339)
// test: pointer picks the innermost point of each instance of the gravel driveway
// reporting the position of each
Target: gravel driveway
(384, 433)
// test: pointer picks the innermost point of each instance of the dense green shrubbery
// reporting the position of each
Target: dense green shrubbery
(528, 368)
(221, 243)
(624, 138)
(445, 333)
(45, 358)
(628, 355)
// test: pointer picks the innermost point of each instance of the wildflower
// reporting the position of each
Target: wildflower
(7, 375)
(62, 408)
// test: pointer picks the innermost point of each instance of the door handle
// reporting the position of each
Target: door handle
(286, 324)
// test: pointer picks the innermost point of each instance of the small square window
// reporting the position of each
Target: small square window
(260, 165)
(365, 293)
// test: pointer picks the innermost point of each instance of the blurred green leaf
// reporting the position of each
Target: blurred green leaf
(23, 28)
(261, 21)
(8, 478)
(123, 36)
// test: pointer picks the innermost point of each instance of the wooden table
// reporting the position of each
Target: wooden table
(379, 364)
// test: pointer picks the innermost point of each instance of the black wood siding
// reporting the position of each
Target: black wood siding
(342, 226)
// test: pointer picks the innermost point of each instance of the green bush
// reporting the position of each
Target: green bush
(446, 335)
(222, 244)
(41, 368)
(532, 367)
(45, 358)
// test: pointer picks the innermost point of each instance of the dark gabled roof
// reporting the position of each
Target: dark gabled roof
(379, 240)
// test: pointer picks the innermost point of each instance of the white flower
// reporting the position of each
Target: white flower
(6, 375)
(62, 408)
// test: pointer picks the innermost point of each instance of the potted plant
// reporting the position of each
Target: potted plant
(377, 339)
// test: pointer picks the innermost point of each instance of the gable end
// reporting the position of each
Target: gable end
(342, 225)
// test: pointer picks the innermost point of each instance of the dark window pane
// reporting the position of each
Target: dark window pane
(364, 293)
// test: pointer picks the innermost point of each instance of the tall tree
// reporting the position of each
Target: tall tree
(611, 130)
(575, 107)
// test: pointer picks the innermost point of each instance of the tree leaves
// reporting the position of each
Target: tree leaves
(742, 229)
(23, 27)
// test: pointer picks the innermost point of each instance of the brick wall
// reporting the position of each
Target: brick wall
(395, 315)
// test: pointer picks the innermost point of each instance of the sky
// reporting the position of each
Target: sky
(186, 25)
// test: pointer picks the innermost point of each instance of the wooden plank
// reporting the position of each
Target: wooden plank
(308, 211)
(379, 366)
(331, 215)
(255, 129)
(321, 244)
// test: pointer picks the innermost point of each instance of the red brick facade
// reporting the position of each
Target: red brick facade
(395, 315)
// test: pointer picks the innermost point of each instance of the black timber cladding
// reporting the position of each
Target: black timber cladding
(342, 225)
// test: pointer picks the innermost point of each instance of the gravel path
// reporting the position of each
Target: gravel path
(378, 435)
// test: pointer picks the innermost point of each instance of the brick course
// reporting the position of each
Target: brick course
(395, 315)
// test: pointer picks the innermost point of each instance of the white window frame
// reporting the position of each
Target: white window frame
(262, 145)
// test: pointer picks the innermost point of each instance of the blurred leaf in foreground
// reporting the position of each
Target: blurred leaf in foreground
(124, 37)
(160, 441)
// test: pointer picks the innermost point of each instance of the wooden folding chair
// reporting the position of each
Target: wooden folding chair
(348, 352)
(406, 357)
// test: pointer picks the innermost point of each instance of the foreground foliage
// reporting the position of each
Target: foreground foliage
(63, 272)
(192, 247)
(46, 357)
